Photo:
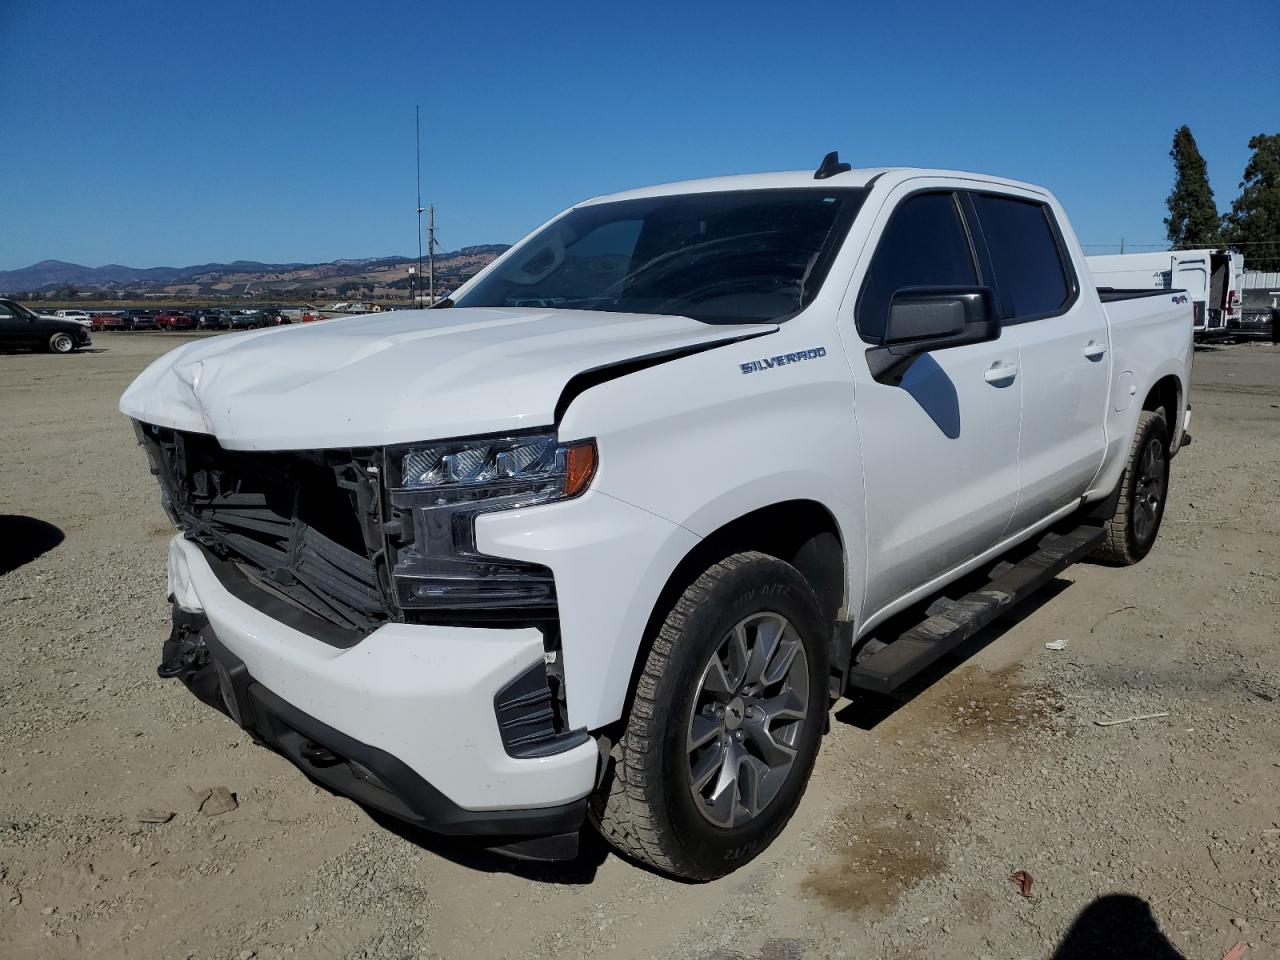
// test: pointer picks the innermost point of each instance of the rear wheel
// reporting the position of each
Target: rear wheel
(1132, 530)
(61, 343)
(724, 727)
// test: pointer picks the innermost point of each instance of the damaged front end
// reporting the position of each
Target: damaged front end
(302, 528)
(314, 540)
(372, 777)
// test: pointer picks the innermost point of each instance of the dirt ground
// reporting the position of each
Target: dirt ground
(1156, 838)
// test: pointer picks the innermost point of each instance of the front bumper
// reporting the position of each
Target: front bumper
(403, 721)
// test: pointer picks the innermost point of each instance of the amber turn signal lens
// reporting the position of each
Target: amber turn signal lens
(580, 467)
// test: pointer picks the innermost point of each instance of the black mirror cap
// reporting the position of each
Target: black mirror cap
(924, 319)
(939, 313)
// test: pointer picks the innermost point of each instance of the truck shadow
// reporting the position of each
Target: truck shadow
(868, 710)
(1117, 926)
(22, 539)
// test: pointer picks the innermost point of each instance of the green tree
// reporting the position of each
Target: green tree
(1253, 225)
(1193, 216)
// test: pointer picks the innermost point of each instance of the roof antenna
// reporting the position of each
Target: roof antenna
(831, 165)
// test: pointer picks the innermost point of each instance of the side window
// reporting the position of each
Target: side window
(5, 312)
(924, 245)
(1025, 256)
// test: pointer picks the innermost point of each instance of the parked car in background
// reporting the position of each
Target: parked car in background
(246, 320)
(110, 321)
(617, 558)
(273, 316)
(79, 316)
(24, 328)
(211, 319)
(143, 319)
(174, 320)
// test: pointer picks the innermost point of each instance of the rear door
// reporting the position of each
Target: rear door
(939, 450)
(1192, 275)
(1064, 345)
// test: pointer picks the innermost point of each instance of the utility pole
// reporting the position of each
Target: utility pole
(431, 254)
(417, 133)
(1122, 244)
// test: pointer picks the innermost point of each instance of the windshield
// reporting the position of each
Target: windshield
(729, 257)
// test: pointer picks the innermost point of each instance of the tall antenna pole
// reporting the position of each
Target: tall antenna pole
(431, 253)
(417, 134)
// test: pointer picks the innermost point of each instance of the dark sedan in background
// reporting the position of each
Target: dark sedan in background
(20, 327)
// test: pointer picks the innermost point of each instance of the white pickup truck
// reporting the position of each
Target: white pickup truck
(605, 539)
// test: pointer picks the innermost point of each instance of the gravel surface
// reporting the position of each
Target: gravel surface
(135, 822)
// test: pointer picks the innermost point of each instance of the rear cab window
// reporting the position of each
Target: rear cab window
(1032, 274)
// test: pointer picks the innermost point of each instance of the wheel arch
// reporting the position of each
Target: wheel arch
(1165, 392)
(1168, 392)
(801, 532)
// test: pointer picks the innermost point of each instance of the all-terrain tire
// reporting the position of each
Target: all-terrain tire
(644, 806)
(1129, 538)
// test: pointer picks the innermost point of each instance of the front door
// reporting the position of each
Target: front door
(15, 330)
(939, 450)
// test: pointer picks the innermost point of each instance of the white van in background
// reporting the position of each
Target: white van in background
(1212, 278)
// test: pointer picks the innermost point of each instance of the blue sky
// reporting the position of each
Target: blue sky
(171, 133)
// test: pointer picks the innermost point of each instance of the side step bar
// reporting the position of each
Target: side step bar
(893, 664)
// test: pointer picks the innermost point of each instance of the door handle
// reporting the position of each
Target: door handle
(1000, 372)
(1094, 351)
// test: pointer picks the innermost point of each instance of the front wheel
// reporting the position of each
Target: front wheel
(61, 343)
(724, 726)
(1131, 532)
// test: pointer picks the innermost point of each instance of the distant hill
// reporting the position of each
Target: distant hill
(246, 276)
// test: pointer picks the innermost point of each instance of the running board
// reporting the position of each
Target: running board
(952, 622)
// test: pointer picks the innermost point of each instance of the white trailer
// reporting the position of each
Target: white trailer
(1213, 280)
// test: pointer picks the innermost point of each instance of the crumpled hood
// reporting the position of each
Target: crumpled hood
(397, 377)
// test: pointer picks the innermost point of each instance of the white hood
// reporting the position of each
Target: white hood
(396, 377)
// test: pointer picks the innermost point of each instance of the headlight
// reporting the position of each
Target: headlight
(530, 469)
(436, 491)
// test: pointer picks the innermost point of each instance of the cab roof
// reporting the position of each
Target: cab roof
(857, 177)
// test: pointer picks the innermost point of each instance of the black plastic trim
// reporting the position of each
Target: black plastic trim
(580, 383)
(366, 774)
(1114, 294)
(891, 665)
(235, 582)
(525, 710)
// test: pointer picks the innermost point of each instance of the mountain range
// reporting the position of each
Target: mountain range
(244, 276)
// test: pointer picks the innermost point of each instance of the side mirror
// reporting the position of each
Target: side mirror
(924, 319)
